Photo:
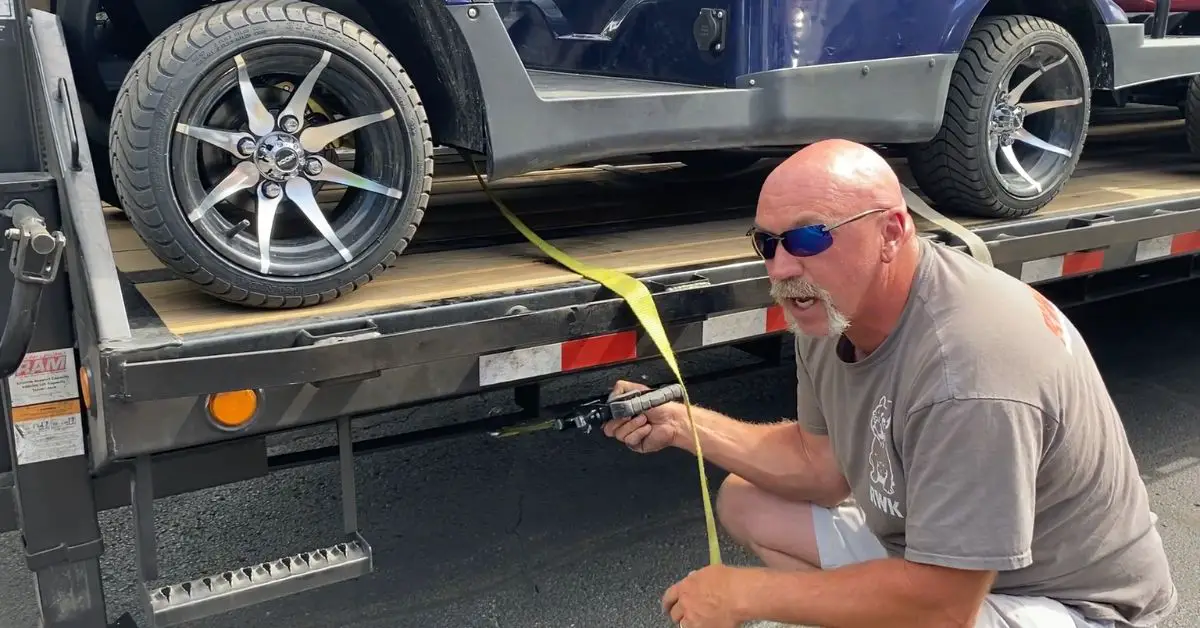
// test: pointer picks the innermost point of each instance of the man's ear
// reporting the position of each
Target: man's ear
(896, 230)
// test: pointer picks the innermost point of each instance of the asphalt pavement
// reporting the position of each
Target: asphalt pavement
(563, 531)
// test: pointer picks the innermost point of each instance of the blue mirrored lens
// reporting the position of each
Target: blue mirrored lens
(807, 241)
(801, 242)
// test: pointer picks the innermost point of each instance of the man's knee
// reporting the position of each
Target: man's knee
(736, 501)
(778, 530)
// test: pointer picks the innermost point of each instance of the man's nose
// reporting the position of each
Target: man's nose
(784, 266)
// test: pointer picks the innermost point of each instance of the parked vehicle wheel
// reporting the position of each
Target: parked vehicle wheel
(1015, 123)
(233, 133)
(1191, 115)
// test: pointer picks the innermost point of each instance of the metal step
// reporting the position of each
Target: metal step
(253, 584)
(189, 601)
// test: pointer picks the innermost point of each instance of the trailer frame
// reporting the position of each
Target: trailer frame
(120, 402)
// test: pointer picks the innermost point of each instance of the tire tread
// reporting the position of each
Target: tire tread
(1191, 112)
(949, 168)
(145, 86)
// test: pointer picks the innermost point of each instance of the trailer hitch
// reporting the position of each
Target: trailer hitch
(599, 411)
(34, 262)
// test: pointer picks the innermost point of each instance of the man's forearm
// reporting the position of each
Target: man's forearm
(772, 456)
(901, 594)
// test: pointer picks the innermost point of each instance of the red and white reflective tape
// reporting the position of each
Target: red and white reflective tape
(559, 357)
(738, 325)
(1066, 265)
(614, 348)
(1166, 246)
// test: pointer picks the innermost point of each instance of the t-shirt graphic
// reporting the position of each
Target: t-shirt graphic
(882, 476)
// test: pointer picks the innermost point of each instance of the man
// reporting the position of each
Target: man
(991, 481)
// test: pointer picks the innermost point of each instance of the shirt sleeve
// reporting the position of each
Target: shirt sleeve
(971, 470)
(808, 410)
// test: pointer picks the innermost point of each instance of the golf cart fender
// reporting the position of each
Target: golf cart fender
(1085, 20)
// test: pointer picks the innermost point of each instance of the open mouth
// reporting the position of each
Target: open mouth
(803, 304)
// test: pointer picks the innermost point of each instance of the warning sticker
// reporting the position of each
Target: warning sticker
(44, 376)
(48, 431)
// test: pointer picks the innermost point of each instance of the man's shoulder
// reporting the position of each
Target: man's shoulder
(972, 305)
(986, 333)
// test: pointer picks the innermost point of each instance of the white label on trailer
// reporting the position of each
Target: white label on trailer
(44, 376)
(6, 10)
(47, 421)
(48, 431)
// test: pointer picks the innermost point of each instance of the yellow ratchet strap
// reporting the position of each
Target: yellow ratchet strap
(638, 296)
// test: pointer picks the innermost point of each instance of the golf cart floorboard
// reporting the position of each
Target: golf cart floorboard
(172, 308)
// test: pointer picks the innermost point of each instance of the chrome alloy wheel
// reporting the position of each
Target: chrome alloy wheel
(277, 150)
(1031, 122)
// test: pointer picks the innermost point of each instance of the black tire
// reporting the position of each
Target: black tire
(1191, 115)
(188, 75)
(956, 169)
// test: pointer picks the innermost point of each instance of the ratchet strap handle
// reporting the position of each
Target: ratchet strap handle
(627, 406)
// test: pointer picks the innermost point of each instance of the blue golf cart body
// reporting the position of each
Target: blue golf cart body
(987, 101)
(566, 81)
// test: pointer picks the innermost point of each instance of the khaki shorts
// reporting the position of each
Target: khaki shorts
(843, 538)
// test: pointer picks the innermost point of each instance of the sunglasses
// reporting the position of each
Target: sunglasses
(803, 241)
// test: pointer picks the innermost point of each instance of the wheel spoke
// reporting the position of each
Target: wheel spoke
(1011, 158)
(300, 192)
(1029, 138)
(266, 211)
(334, 173)
(1014, 96)
(316, 138)
(226, 140)
(299, 101)
(257, 115)
(244, 176)
(1046, 105)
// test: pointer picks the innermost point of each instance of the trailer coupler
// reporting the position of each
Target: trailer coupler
(598, 411)
(34, 261)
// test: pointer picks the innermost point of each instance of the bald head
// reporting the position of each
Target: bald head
(863, 271)
(836, 178)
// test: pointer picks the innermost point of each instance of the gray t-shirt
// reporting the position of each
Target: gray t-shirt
(980, 435)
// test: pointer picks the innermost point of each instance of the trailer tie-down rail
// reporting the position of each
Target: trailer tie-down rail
(34, 262)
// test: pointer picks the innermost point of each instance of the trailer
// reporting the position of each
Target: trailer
(124, 384)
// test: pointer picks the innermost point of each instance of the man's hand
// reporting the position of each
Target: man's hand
(649, 432)
(711, 597)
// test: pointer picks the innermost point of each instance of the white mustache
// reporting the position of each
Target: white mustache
(797, 289)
